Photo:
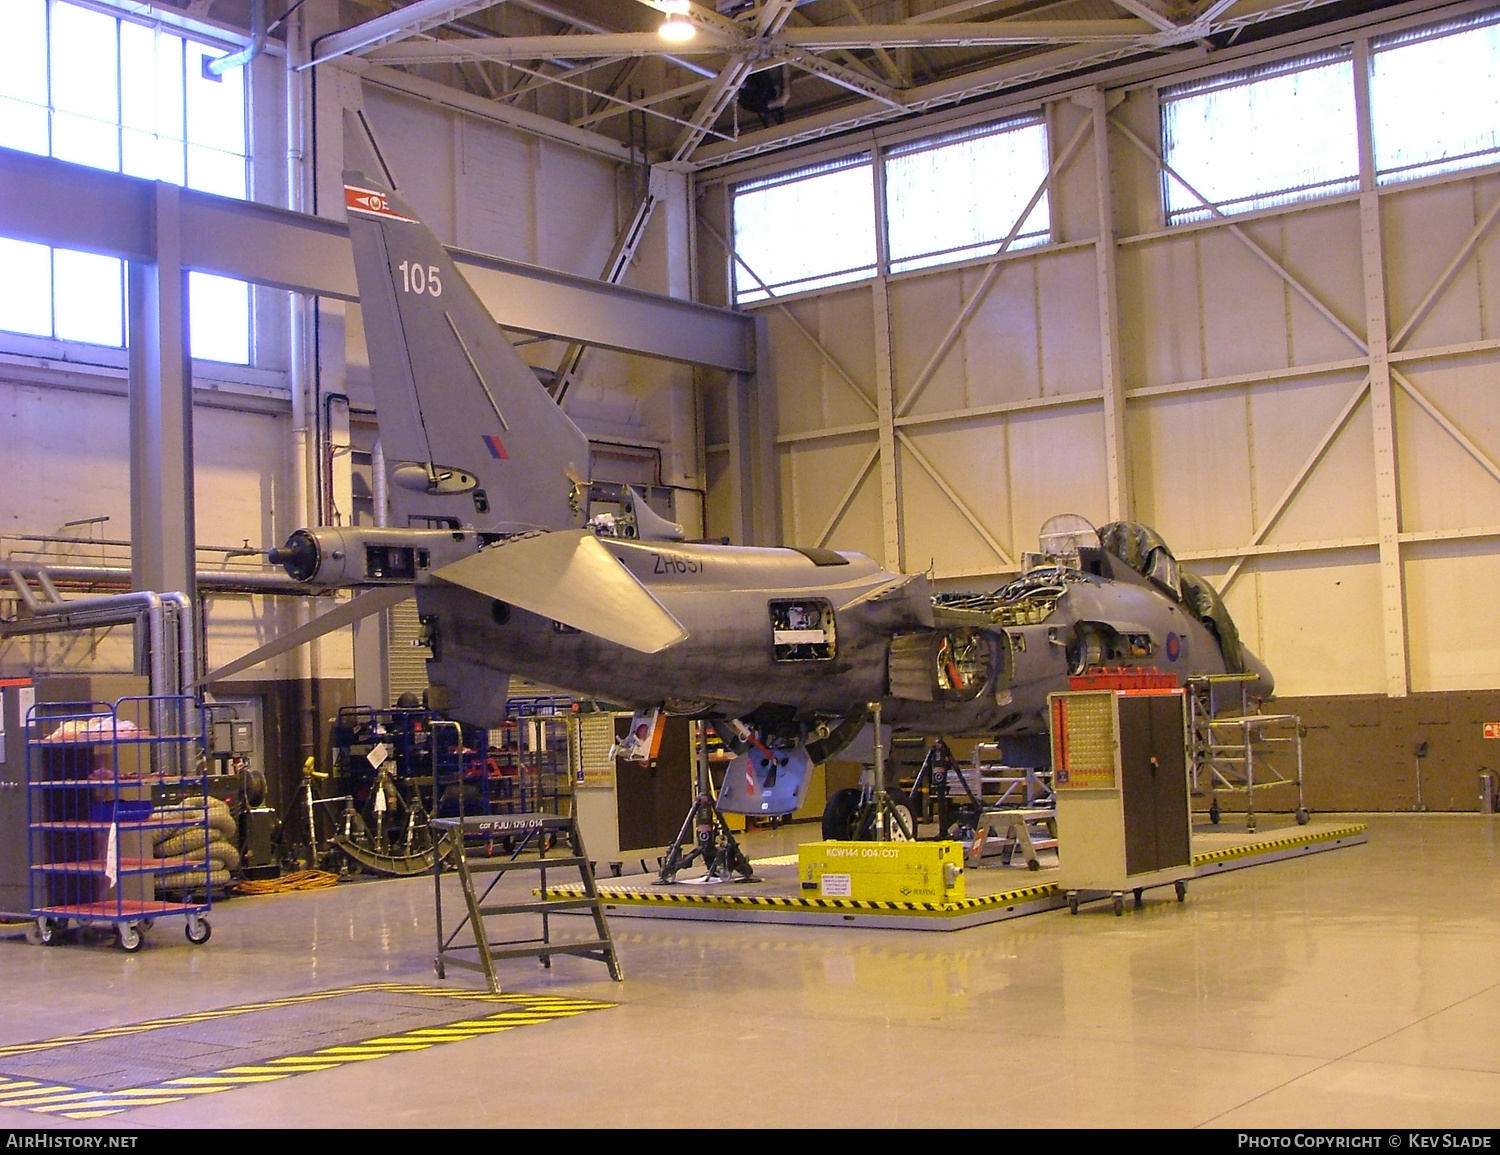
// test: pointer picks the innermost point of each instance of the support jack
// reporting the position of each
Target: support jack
(713, 843)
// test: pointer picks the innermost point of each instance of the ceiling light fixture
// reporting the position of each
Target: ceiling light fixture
(677, 27)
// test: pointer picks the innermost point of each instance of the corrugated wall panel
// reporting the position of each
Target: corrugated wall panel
(1453, 615)
(1422, 229)
(1190, 465)
(1442, 485)
(922, 311)
(408, 662)
(1321, 248)
(972, 459)
(815, 477)
(1161, 332)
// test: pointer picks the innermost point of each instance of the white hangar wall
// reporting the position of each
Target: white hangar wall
(934, 419)
(64, 443)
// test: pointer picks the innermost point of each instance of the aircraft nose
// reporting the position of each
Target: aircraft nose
(1264, 685)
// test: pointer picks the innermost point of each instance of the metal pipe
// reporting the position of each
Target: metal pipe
(187, 670)
(123, 543)
(114, 610)
(215, 69)
(216, 581)
(28, 599)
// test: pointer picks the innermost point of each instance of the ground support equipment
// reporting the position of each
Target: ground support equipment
(1077, 898)
(100, 848)
(994, 810)
(713, 842)
(475, 854)
(1235, 751)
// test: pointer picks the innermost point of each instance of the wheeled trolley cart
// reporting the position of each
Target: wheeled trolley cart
(1119, 760)
(116, 806)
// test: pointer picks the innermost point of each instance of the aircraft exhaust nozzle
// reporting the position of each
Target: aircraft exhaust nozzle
(299, 556)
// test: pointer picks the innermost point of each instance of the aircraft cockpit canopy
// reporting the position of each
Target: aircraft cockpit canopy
(1060, 542)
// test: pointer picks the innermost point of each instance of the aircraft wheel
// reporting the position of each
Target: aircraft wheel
(841, 815)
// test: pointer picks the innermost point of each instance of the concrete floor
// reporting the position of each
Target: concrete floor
(1357, 988)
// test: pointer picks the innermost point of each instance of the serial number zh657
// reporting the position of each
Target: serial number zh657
(670, 564)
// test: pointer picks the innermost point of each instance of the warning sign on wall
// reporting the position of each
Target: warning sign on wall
(1492, 729)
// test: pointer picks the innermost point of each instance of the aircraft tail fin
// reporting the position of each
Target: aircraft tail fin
(469, 434)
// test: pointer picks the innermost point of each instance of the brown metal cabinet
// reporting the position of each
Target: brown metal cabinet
(1121, 782)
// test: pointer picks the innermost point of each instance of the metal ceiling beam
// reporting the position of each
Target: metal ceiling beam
(398, 25)
(443, 95)
(552, 12)
(642, 104)
(846, 78)
(503, 48)
(52, 202)
(941, 93)
(768, 21)
(991, 34)
(1149, 13)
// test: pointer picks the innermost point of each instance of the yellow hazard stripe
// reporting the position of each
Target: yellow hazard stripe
(82, 1103)
(622, 896)
(793, 902)
(1252, 849)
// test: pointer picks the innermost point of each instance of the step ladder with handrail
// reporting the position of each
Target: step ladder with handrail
(496, 845)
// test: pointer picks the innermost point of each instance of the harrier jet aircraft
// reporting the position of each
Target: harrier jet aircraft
(785, 649)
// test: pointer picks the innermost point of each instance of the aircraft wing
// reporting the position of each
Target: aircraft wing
(371, 602)
(570, 577)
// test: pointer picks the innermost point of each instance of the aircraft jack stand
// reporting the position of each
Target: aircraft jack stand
(713, 842)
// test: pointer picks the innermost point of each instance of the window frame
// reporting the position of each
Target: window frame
(195, 41)
(875, 155)
(1261, 199)
(1400, 175)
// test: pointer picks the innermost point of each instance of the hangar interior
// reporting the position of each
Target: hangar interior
(896, 277)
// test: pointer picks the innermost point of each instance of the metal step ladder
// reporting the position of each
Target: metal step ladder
(496, 845)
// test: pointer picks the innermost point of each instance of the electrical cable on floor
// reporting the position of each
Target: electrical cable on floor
(289, 883)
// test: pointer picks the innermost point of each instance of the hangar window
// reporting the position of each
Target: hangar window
(105, 91)
(957, 196)
(1245, 141)
(1435, 99)
(808, 229)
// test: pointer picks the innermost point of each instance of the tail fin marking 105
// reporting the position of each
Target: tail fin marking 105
(470, 434)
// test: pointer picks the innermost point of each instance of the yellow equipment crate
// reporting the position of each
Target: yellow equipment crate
(883, 871)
